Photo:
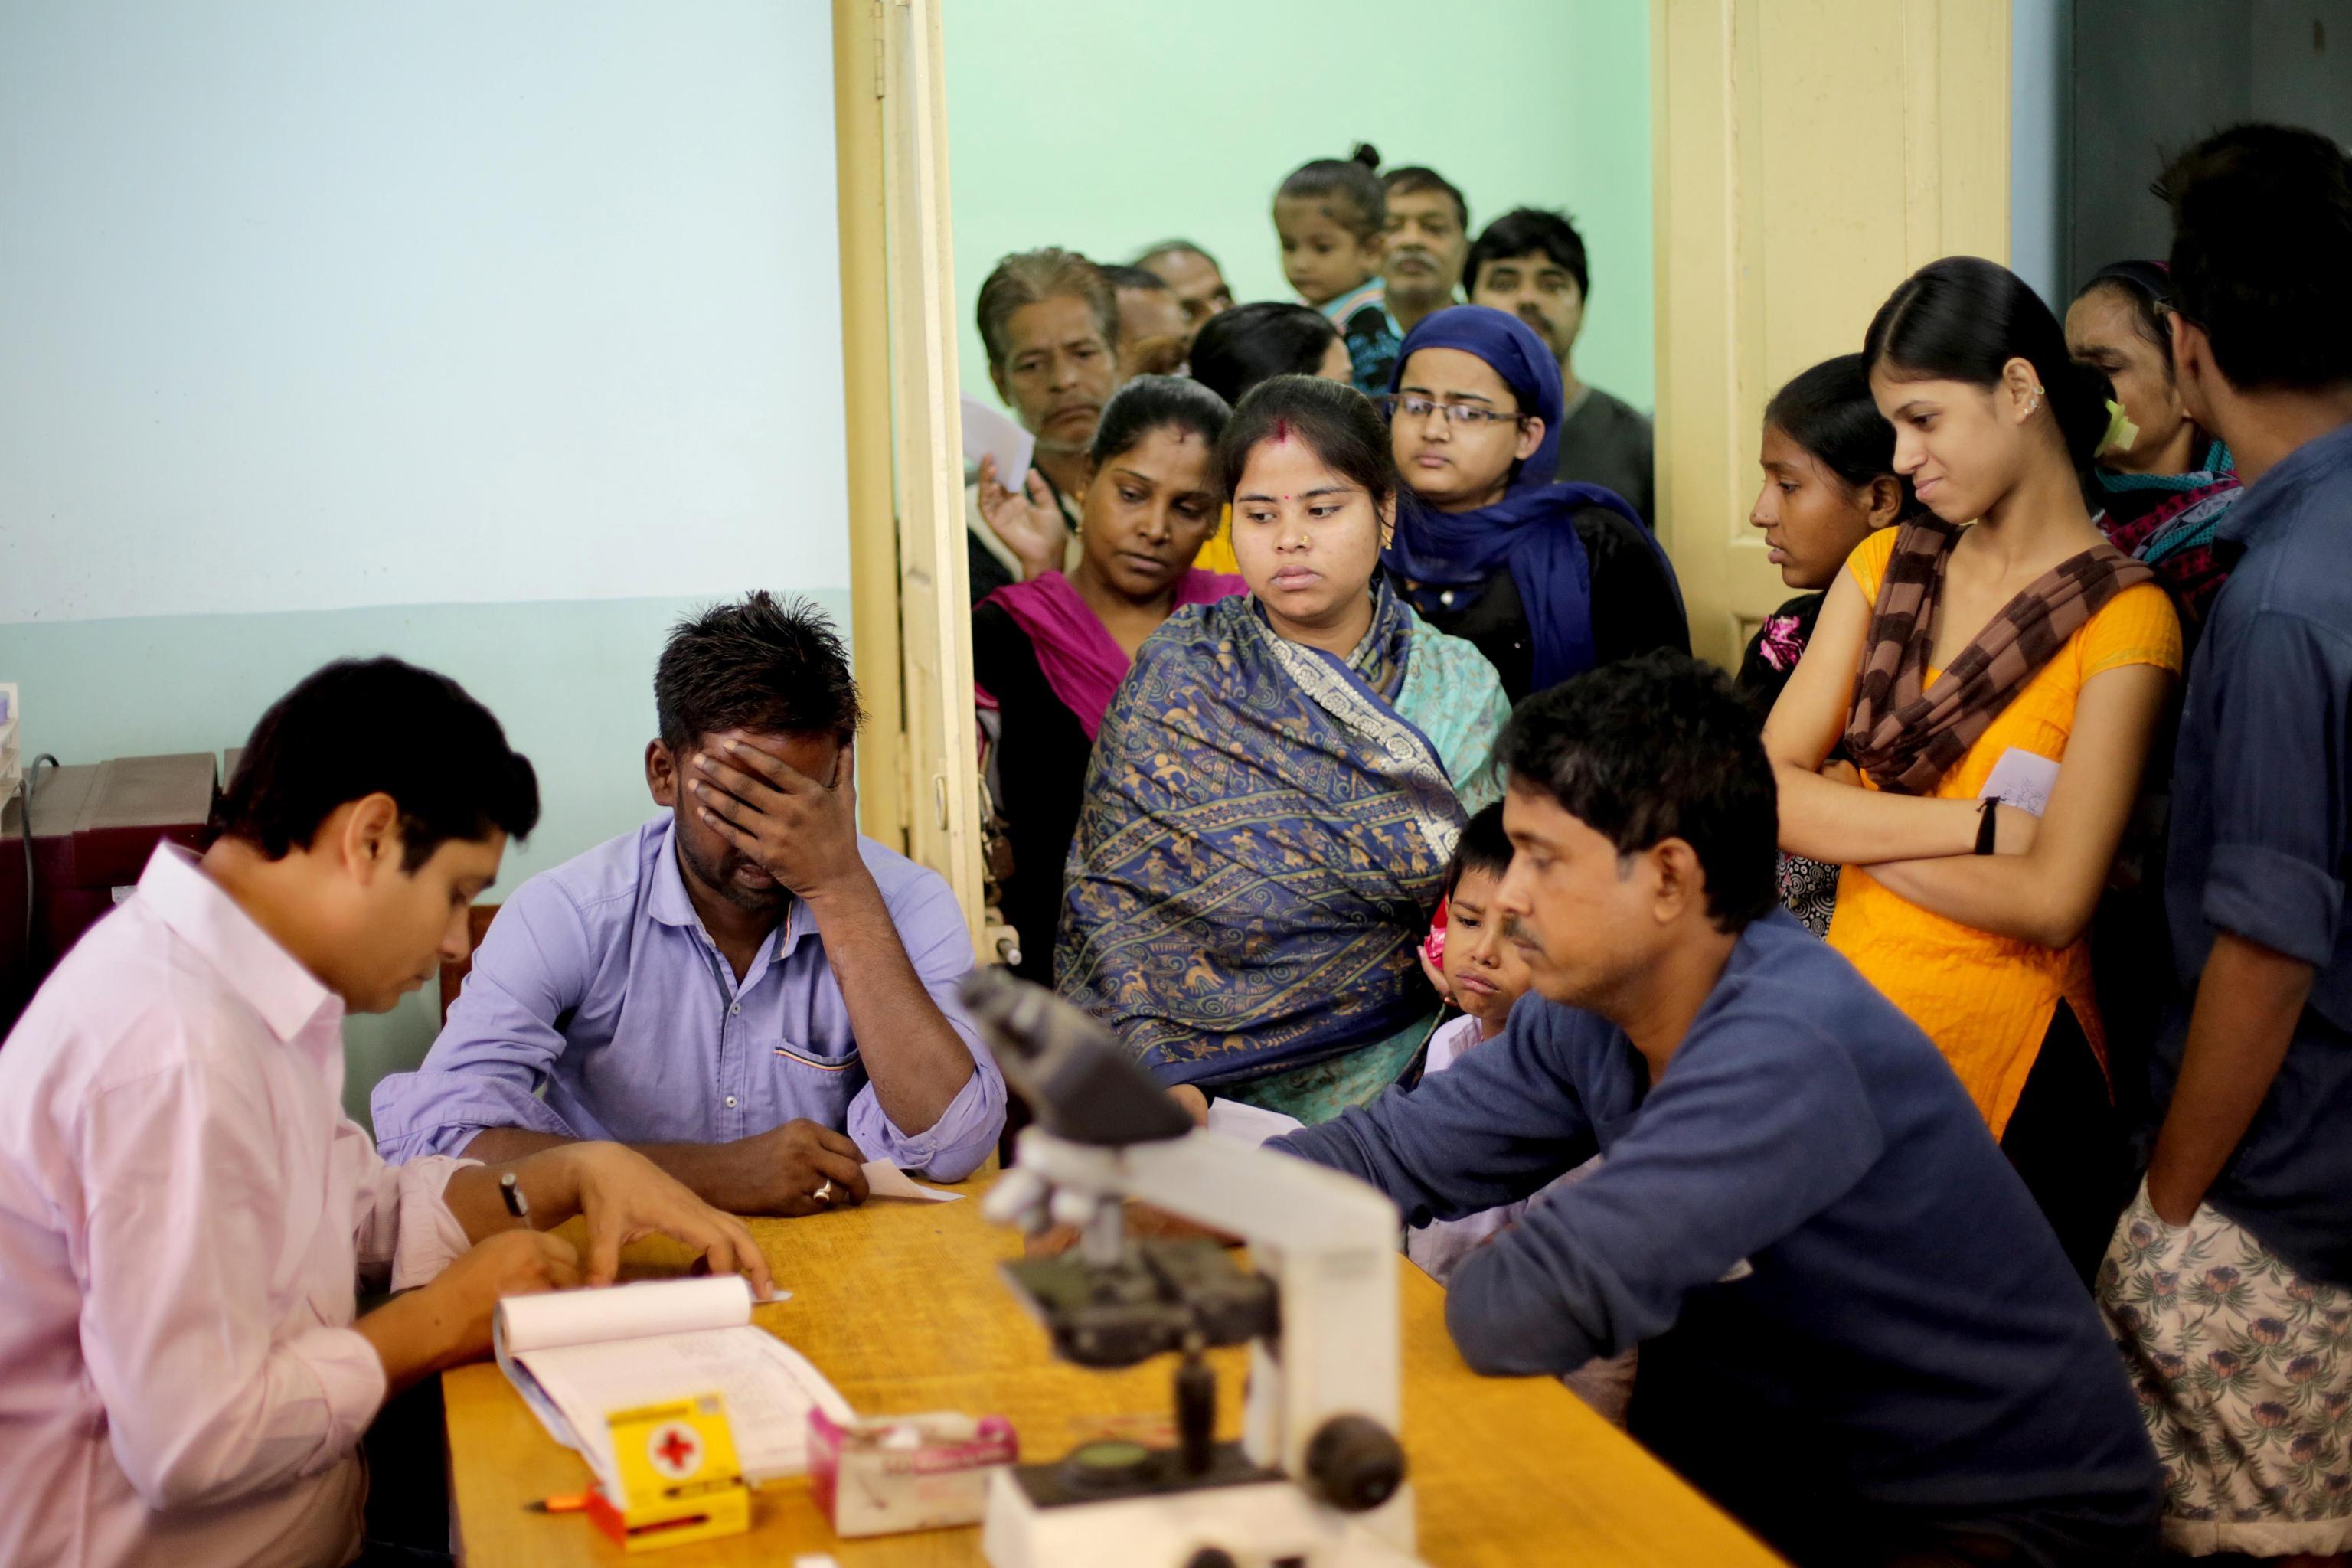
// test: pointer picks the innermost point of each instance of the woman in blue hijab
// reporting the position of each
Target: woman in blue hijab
(1547, 580)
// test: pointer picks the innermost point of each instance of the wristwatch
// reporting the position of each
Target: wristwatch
(1987, 823)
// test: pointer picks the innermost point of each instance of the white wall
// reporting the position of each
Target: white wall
(308, 306)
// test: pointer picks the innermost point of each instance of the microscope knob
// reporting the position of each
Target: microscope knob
(1354, 1463)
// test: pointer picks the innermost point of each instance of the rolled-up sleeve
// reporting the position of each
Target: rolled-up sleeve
(2279, 831)
(939, 944)
(205, 1404)
(501, 1039)
(402, 1229)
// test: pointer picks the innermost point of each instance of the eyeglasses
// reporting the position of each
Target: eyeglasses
(1462, 413)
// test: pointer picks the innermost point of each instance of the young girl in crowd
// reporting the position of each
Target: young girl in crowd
(1048, 653)
(1278, 787)
(2161, 492)
(1547, 579)
(1331, 217)
(1829, 480)
(2010, 674)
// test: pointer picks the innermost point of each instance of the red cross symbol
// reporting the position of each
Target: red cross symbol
(674, 1451)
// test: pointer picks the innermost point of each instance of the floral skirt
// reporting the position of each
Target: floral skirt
(2243, 1370)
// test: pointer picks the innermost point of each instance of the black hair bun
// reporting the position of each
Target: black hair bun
(1368, 156)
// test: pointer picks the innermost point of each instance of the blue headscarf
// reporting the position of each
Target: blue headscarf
(1530, 531)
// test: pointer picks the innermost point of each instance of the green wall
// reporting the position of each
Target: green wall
(570, 680)
(1104, 125)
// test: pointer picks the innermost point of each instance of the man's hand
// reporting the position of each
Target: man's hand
(1196, 1103)
(1030, 524)
(801, 832)
(624, 1196)
(780, 1171)
(447, 1323)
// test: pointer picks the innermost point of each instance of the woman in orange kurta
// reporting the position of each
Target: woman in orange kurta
(1980, 830)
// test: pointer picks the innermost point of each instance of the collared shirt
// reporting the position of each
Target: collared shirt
(185, 1216)
(2261, 823)
(1846, 1301)
(599, 1007)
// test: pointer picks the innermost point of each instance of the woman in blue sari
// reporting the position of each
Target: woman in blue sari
(1547, 579)
(1278, 787)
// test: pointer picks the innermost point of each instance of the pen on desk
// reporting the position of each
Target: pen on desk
(516, 1204)
(571, 1503)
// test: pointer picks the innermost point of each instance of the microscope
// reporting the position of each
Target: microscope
(1318, 1481)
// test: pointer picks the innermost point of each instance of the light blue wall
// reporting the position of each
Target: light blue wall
(570, 680)
(1104, 125)
(490, 336)
(2041, 70)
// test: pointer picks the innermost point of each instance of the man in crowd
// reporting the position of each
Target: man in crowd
(1153, 333)
(1428, 244)
(1049, 325)
(743, 989)
(1194, 275)
(1531, 263)
(1858, 1333)
(2230, 1281)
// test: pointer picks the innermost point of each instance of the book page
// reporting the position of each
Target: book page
(620, 1313)
(769, 1387)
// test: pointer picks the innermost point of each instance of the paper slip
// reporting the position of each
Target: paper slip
(884, 1180)
(576, 1356)
(988, 433)
(2023, 779)
(1250, 1123)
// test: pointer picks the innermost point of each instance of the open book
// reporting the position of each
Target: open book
(579, 1356)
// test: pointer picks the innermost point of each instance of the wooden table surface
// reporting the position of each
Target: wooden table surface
(901, 1306)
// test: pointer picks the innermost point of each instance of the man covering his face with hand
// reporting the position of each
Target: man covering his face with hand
(743, 989)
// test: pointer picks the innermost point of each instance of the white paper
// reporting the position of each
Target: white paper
(622, 1312)
(576, 1356)
(884, 1180)
(989, 433)
(769, 1387)
(1250, 1123)
(2023, 779)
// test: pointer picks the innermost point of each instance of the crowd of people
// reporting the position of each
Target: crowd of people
(1907, 1084)
(2024, 935)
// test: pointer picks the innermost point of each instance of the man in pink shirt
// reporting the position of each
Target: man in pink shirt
(185, 1213)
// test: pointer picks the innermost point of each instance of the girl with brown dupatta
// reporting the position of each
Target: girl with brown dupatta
(1997, 671)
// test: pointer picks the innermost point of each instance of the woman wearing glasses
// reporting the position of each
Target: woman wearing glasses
(1547, 580)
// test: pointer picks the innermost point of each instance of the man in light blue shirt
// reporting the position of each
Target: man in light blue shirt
(743, 989)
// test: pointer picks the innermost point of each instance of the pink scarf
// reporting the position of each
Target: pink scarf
(1076, 651)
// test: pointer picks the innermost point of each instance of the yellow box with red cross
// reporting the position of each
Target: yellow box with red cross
(677, 1475)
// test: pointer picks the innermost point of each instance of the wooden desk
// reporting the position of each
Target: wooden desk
(900, 1305)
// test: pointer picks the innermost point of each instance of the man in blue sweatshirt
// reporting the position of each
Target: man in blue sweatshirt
(1858, 1333)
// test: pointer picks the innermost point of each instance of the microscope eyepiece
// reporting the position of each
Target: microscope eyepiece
(1070, 1070)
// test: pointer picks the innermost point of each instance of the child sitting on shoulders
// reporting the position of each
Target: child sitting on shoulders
(1331, 217)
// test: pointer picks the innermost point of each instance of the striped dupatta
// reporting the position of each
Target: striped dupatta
(1906, 737)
